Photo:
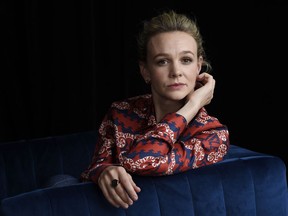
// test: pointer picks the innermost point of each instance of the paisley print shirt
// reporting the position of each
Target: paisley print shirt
(129, 136)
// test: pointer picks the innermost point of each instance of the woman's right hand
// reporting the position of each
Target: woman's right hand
(125, 193)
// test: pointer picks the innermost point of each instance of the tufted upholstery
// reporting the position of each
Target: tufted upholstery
(26, 165)
(245, 183)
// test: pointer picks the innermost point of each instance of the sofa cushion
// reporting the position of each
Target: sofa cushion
(246, 183)
(28, 164)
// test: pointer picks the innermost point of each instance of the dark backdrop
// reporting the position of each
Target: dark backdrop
(64, 62)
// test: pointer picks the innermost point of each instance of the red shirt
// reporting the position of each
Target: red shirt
(129, 136)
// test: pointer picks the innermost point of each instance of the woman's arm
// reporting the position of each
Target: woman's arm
(167, 148)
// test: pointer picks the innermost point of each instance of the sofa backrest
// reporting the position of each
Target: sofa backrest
(27, 165)
(245, 184)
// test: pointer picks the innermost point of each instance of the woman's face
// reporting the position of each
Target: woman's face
(172, 65)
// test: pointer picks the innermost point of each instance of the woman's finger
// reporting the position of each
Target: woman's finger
(114, 193)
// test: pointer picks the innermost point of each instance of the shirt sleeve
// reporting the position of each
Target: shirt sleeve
(168, 147)
(104, 153)
(165, 149)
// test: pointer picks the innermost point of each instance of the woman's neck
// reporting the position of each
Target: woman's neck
(163, 106)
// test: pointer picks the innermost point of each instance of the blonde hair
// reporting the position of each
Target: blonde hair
(168, 22)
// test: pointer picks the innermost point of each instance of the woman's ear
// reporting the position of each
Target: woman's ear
(144, 72)
(199, 64)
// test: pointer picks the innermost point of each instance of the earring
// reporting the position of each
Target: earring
(148, 81)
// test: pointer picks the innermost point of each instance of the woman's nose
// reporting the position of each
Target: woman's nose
(175, 72)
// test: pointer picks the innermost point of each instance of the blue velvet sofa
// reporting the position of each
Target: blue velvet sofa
(245, 183)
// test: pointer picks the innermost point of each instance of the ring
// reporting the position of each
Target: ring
(114, 183)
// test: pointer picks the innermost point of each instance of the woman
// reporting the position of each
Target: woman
(167, 131)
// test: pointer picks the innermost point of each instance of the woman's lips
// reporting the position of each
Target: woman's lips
(176, 86)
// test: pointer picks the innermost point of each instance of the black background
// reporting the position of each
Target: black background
(64, 62)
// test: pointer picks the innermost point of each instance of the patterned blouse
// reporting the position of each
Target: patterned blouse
(129, 136)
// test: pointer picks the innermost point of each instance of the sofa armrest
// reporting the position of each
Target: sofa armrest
(247, 186)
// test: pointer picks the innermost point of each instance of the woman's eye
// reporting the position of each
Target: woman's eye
(162, 62)
(186, 60)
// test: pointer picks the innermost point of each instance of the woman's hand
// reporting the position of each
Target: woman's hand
(124, 193)
(198, 98)
(204, 90)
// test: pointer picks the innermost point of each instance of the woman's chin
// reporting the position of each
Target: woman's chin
(176, 97)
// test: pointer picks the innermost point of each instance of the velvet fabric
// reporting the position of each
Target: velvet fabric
(27, 165)
(244, 183)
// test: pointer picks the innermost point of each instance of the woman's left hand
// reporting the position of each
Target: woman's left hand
(204, 90)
